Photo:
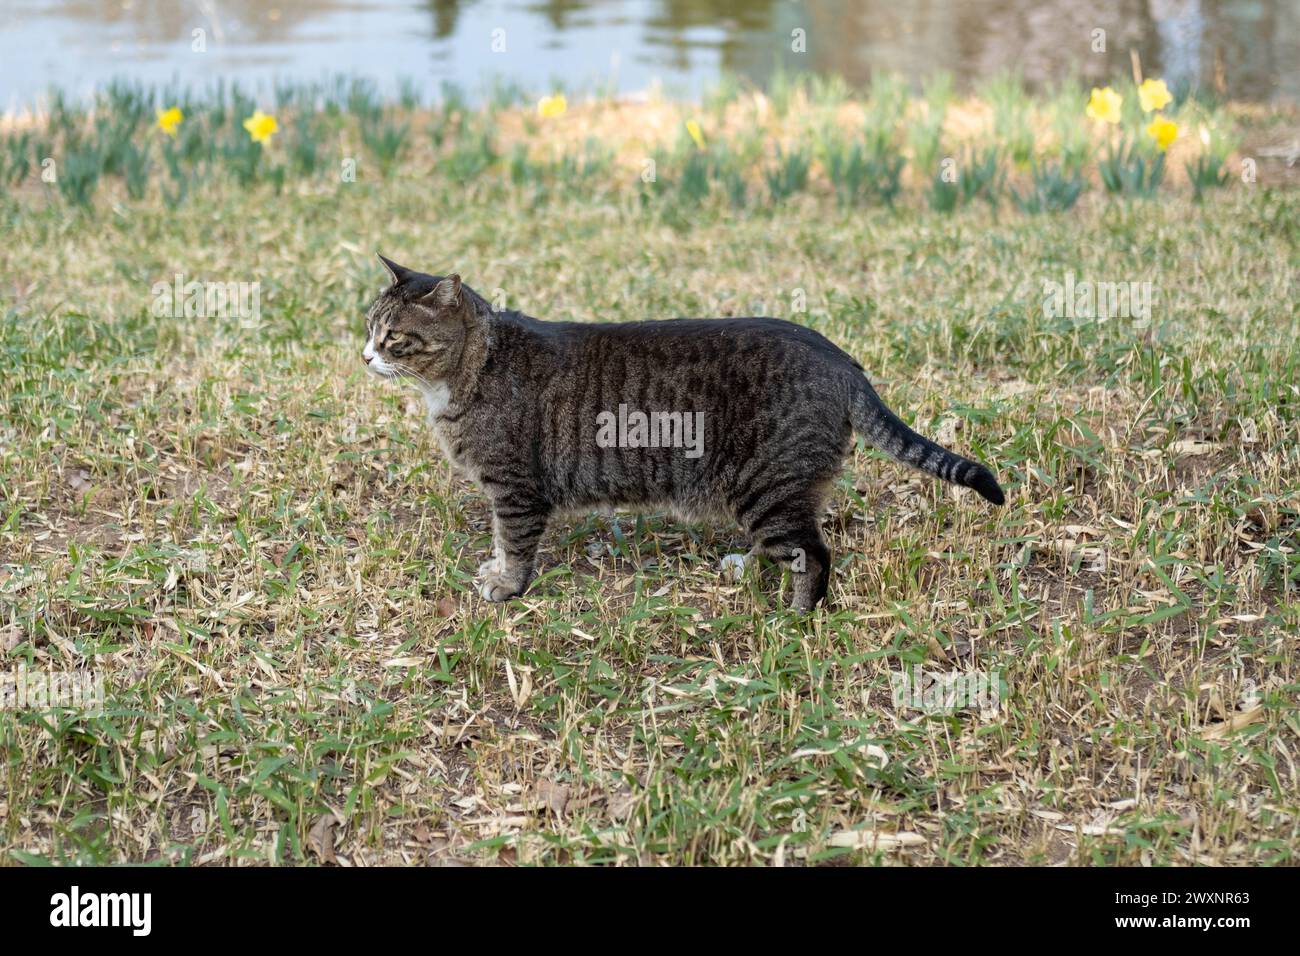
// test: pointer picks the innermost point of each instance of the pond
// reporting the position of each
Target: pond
(1243, 49)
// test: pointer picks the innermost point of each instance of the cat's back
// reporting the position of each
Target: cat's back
(690, 341)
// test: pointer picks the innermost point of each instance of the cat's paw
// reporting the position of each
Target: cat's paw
(732, 566)
(489, 567)
(496, 587)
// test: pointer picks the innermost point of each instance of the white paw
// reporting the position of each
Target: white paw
(497, 588)
(490, 566)
(732, 566)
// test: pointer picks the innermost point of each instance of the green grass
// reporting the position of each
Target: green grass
(262, 551)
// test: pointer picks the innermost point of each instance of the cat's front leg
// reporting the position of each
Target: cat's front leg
(518, 522)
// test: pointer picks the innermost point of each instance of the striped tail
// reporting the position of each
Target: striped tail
(886, 431)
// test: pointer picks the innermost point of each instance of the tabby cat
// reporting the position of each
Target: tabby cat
(747, 418)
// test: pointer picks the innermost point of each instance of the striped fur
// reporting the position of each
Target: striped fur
(520, 404)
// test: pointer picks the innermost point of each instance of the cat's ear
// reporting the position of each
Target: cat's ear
(445, 293)
(399, 273)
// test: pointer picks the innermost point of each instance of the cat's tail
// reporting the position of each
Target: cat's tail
(882, 428)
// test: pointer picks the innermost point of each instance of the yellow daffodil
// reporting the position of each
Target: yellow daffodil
(261, 127)
(1104, 105)
(551, 107)
(1163, 131)
(169, 119)
(697, 134)
(1154, 95)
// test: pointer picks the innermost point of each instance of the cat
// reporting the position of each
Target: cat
(746, 418)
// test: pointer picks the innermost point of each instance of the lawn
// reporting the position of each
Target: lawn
(262, 553)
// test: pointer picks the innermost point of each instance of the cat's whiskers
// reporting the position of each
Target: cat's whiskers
(405, 371)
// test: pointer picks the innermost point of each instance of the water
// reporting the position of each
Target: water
(1246, 49)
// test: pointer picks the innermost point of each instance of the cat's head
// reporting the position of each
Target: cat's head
(417, 327)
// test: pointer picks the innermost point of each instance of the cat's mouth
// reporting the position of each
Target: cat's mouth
(379, 368)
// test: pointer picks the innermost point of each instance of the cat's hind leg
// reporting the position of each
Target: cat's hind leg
(792, 534)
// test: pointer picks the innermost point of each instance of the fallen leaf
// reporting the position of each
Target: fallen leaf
(1082, 531)
(404, 662)
(947, 432)
(873, 752)
(10, 637)
(320, 840)
(875, 839)
(1218, 731)
(554, 796)
(1092, 829)
(1215, 702)
(620, 805)
(1194, 446)
(935, 649)
(446, 607)
(1259, 518)
(79, 481)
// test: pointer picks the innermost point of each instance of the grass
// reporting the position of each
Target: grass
(262, 552)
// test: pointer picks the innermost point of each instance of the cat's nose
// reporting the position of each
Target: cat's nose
(366, 358)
